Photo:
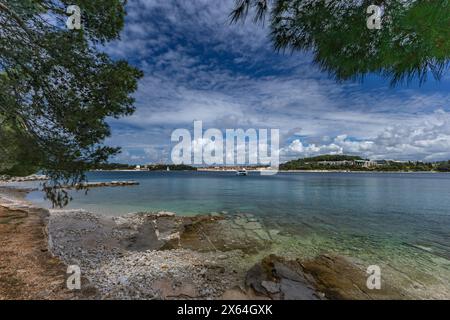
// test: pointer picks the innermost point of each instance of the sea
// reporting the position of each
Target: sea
(400, 221)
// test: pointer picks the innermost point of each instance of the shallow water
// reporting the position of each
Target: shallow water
(398, 221)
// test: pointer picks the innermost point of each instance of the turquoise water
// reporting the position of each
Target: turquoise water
(413, 206)
(399, 220)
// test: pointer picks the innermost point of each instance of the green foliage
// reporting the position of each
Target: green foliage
(19, 156)
(114, 166)
(57, 87)
(414, 38)
(314, 163)
(444, 167)
(332, 157)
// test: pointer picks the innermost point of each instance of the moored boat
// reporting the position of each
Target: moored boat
(242, 172)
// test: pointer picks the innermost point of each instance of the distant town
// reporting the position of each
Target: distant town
(318, 163)
(356, 163)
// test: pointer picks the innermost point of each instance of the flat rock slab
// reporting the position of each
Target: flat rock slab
(226, 233)
(340, 278)
(279, 279)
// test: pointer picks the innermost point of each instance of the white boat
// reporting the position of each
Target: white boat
(242, 172)
(168, 169)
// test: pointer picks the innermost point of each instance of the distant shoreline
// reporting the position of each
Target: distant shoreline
(354, 171)
(41, 178)
(281, 171)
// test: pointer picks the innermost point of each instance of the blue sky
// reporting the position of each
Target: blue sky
(199, 67)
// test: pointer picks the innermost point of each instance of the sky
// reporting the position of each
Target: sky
(198, 66)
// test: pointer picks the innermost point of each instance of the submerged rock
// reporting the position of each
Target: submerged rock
(225, 233)
(271, 287)
(279, 279)
(340, 278)
(162, 255)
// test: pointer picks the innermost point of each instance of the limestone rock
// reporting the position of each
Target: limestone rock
(277, 278)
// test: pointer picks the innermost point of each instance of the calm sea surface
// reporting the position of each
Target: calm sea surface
(399, 220)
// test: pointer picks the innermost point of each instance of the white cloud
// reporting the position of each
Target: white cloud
(199, 67)
(424, 140)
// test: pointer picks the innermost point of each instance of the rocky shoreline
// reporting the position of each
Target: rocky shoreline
(162, 255)
(28, 271)
(33, 177)
(153, 255)
(88, 185)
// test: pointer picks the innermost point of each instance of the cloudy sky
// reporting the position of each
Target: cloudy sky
(199, 67)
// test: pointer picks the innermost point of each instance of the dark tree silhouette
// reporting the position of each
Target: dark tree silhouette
(414, 39)
(57, 88)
